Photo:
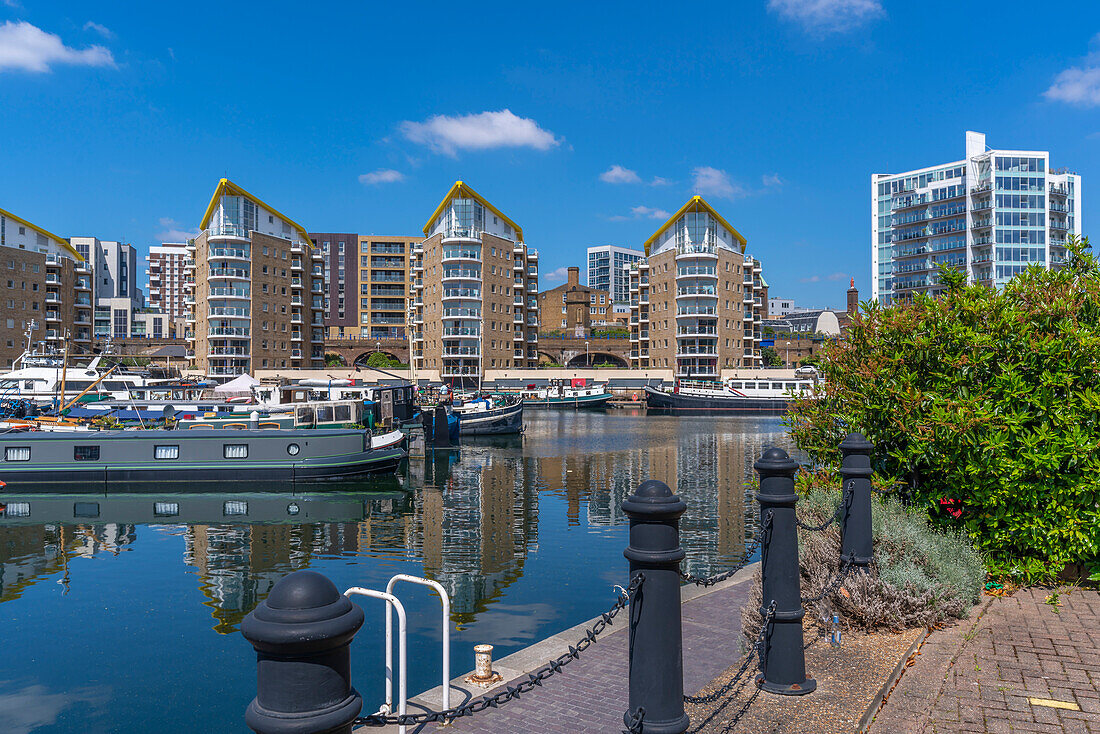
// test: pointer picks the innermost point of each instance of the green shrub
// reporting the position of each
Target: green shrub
(921, 576)
(986, 404)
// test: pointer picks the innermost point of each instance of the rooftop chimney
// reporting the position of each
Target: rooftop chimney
(574, 276)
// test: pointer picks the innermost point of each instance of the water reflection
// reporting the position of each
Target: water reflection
(471, 517)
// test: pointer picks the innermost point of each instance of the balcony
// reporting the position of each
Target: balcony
(704, 291)
(697, 330)
(296, 318)
(228, 352)
(461, 351)
(452, 293)
(1059, 189)
(696, 311)
(983, 223)
(295, 353)
(461, 274)
(53, 298)
(229, 331)
(53, 316)
(234, 273)
(697, 351)
(461, 331)
(236, 293)
(233, 253)
(700, 250)
(517, 335)
(451, 254)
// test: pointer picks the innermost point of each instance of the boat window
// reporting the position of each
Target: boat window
(17, 453)
(166, 452)
(235, 450)
(343, 412)
(293, 449)
(735, 385)
(166, 509)
(750, 385)
(305, 415)
(235, 507)
(85, 509)
(324, 414)
(28, 384)
(85, 453)
(16, 509)
(792, 385)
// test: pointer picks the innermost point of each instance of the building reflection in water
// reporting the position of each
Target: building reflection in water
(471, 517)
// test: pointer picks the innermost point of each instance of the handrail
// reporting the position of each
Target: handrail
(445, 602)
(402, 693)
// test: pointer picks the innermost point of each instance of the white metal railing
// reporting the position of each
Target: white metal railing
(392, 602)
(445, 603)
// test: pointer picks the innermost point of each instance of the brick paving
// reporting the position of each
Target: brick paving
(982, 675)
(591, 695)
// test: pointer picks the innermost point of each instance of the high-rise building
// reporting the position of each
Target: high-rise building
(990, 215)
(697, 300)
(384, 285)
(368, 282)
(475, 286)
(118, 297)
(46, 286)
(167, 277)
(608, 270)
(258, 300)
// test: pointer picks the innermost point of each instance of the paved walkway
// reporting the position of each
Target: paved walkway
(1016, 666)
(591, 695)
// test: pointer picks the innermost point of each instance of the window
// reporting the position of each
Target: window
(166, 509)
(17, 453)
(235, 451)
(85, 453)
(166, 452)
(235, 507)
(85, 509)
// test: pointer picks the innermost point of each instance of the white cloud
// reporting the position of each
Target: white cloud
(480, 131)
(828, 16)
(619, 175)
(556, 276)
(709, 181)
(645, 212)
(811, 279)
(772, 180)
(173, 231)
(100, 29)
(1076, 85)
(838, 276)
(382, 175)
(29, 48)
(659, 181)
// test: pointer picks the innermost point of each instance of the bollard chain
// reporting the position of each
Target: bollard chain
(845, 500)
(712, 580)
(845, 569)
(527, 685)
(756, 647)
(634, 726)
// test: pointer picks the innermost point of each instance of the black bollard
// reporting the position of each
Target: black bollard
(301, 634)
(442, 436)
(855, 468)
(656, 634)
(782, 661)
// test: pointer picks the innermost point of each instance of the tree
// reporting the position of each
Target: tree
(986, 405)
(379, 360)
(771, 357)
(333, 360)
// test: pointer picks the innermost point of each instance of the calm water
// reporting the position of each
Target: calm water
(127, 620)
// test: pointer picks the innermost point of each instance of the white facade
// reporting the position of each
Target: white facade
(168, 275)
(609, 270)
(991, 215)
(779, 306)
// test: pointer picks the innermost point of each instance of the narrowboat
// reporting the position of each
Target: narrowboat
(561, 394)
(97, 461)
(763, 396)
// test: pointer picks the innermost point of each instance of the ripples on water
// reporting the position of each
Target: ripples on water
(115, 619)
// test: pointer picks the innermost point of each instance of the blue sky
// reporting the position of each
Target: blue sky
(584, 123)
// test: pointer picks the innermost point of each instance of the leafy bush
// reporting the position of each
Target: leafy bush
(987, 404)
(771, 357)
(920, 576)
(379, 360)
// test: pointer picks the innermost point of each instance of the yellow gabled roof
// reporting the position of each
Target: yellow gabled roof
(694, 204)
(60, 240)
(225, 186)
(461, 187)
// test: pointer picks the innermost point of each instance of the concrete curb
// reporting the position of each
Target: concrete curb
(899, 670)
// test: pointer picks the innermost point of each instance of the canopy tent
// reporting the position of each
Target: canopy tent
(239, 384)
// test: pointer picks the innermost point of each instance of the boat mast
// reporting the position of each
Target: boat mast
(64, 366)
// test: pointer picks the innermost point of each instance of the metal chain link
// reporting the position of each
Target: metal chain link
(510, 693)
(756, 647)
(845, 568)
(845, 500)
(712, 580)
(634, 726)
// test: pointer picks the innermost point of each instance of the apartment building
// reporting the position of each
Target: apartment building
(475, 286)
(368, 284)
(608, 270)
(574, 308)
(991, 215)
(118, 300)
(167, 272)
(45, 285)
(697, 300)
(258, 291)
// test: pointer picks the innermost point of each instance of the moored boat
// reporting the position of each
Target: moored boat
(99, 460)
(558, 394)
(489, 415)
(763, 396)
